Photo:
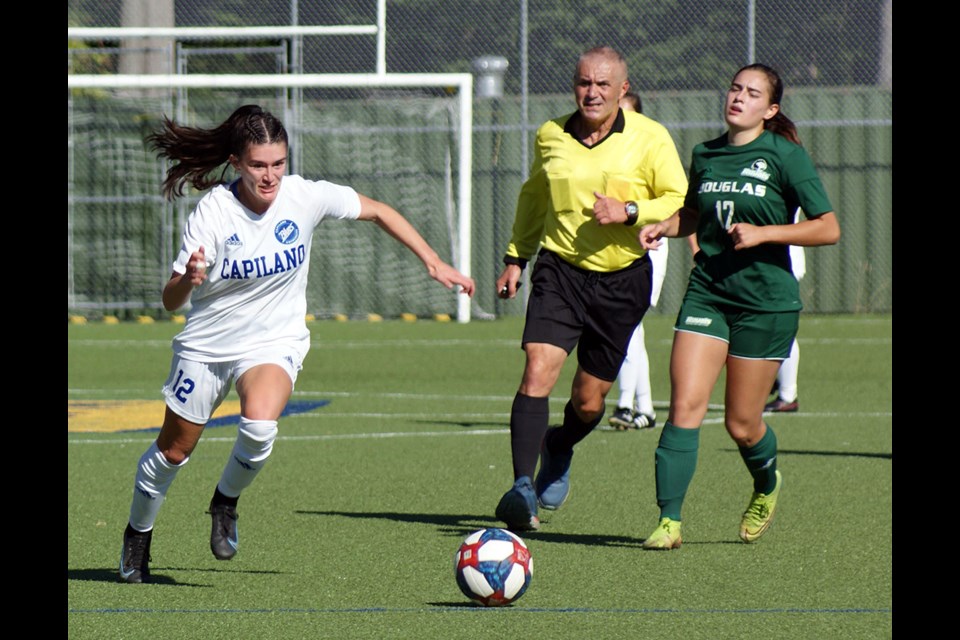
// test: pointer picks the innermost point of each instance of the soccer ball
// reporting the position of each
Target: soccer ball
(493, 567)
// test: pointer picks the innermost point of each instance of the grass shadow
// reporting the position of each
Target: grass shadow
(110, 575)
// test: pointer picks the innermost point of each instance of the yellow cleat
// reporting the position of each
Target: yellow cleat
(665, 537)
(759, 514)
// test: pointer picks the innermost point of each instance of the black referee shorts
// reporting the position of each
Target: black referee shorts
(596, 312)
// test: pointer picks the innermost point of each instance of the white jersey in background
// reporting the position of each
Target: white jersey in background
(658, 258)
(257, 266)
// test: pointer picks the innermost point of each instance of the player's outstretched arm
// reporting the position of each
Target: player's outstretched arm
(390, 220)
(180, 285)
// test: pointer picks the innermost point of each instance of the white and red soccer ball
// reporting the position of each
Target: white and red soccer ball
(493, 567)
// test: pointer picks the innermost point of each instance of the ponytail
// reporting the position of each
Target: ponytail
(782, 125)
(197, 153)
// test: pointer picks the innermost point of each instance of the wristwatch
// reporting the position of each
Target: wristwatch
(633, 212)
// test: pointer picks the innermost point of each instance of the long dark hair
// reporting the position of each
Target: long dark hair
(198, 152)
(780, 123)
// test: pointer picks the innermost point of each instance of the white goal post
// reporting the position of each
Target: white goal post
(461, 82)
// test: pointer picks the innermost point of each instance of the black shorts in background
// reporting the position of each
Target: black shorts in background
(596, 312)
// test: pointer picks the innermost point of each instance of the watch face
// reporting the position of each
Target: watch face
(632, 208)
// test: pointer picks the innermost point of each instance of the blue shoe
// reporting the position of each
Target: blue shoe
(518, 506)
(553, 479)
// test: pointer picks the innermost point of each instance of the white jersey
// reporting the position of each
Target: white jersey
(798, 260)
(257, 265)
(658, 260)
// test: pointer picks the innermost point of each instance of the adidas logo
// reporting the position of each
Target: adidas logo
(234, 241)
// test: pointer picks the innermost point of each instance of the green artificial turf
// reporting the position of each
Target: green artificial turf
(351, 529)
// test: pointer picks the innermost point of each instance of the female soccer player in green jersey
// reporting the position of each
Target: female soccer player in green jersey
(742, 304)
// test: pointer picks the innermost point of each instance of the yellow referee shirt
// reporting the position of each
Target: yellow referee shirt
(637, 161)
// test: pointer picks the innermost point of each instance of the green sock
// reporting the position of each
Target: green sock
(676, 460)
(761, 461)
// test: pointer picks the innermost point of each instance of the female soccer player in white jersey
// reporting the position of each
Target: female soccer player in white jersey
(787, 400)
(243, 265)
(742, 305)
(635, 402)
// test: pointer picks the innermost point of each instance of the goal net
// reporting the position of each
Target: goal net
(404, 139)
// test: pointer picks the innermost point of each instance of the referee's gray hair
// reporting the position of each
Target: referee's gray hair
(602, 52)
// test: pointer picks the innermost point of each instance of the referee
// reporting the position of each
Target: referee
(598, 175)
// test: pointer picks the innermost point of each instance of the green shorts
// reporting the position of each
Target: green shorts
(750, 334)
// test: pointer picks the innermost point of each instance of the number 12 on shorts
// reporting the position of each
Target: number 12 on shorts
(183, 387)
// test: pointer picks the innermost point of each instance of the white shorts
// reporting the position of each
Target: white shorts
(194, 390)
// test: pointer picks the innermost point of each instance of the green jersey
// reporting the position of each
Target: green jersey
(760, 183)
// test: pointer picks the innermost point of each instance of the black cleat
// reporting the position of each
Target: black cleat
(135, 555)
(223, 533)
(781, 406)
(622, 419)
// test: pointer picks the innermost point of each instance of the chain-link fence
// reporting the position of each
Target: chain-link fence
(397, 144)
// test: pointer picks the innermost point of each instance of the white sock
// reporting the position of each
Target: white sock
(154, 476)
(787, 376)
(250, 452)
(629, 371)
(644, 397)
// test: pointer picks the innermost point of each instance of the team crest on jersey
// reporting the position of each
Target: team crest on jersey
(757, 170)
(287, 231)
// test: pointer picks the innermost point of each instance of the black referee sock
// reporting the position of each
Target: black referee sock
(529, 418)
(573, 430)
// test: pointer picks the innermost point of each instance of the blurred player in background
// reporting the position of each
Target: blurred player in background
(596, 173)
(243, 265)
(635, 403)
(787, 400)
(742, 305)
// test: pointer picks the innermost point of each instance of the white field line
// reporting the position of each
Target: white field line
(81, 439)
(420, 344)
